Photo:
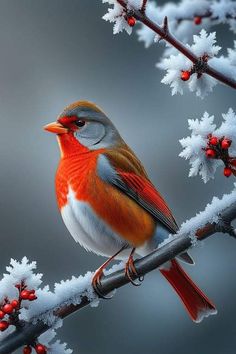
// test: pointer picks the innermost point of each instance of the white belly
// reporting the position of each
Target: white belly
(89, 230)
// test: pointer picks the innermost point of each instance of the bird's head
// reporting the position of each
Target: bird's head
(82, 126)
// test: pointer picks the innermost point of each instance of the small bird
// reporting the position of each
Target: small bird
(108, 203)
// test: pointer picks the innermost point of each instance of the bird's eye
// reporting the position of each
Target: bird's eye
(80, 123)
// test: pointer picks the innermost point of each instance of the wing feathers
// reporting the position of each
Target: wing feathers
(122, 169)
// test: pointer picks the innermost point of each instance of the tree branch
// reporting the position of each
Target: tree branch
(28, 332)
(168, 37)
(207, 14)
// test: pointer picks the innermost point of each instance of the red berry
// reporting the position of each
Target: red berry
(18, 286)
(3, 325)
(2, 314)
(8, 308)
(24, 294)
(14, 303)
(131, 21)
(197, 20)
(227, 172)
(40, 349)
(185, 75)
(32, 297)
(213, 140)
(225, 144)
(27, 350)
(210, 153)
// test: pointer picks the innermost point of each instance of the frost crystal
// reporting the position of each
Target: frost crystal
(53, 348)
(222, 9)
(209, 215)
(117, 14)
(204, 46)
(22, 274)
(16, 272)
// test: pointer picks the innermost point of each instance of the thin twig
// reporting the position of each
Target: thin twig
(208, 15)
(168, 37)
(143, 8)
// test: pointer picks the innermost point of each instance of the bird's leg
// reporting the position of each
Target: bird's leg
(99, 273)
(130, 270)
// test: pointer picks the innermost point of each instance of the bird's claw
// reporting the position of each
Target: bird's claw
(131, 272)
(96, 283)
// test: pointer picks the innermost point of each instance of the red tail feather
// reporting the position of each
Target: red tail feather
(196, 303)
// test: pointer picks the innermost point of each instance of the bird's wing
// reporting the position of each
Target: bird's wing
(122, 169)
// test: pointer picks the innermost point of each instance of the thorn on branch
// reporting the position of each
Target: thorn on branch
(165, 27)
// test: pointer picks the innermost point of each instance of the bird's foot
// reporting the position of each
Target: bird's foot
(96, 283)
(131, 272)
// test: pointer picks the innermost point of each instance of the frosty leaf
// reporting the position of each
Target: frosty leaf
(174, 65)
(53, 348)
(117, 14)
(221, 9)
(232, 54)
(17, 272)
(204, 46)
(202, 86)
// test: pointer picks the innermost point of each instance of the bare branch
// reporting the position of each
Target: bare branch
(168, 37)
(28, 332)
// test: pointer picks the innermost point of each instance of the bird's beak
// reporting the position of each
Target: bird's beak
(55, 127)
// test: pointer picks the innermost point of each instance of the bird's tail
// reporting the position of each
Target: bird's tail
(196, 303)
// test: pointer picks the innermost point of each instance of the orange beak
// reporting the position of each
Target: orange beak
(55, 127)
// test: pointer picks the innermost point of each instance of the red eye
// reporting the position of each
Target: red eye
(80, 123)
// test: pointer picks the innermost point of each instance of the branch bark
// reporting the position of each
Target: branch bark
(28, 332)
(164, 33)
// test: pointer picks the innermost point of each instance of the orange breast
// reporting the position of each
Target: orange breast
(119, 211)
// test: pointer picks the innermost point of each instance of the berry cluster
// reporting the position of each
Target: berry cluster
(8, 310)
(9, 315)
(39, 349)
(218, 148)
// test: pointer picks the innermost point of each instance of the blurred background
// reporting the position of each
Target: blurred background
(56, 52)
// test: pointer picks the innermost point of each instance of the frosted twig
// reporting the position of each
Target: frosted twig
(168, 37)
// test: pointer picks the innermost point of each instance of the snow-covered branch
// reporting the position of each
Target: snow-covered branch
(188, 63)
(37, 319)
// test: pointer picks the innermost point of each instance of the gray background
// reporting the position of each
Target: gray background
(53, 53)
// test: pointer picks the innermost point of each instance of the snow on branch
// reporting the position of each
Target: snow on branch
(186, 65)
(209, 147)
(33, 313)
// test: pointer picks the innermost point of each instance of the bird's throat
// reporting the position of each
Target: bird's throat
(69, 145)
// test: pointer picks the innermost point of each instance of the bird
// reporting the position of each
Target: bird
(108, 203)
